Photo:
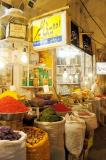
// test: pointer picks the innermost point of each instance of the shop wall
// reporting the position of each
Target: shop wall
(101, 57)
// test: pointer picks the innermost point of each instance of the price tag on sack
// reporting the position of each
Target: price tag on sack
(46, 89)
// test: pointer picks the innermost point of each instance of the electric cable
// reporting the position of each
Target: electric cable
(93, 18)
(68, 3)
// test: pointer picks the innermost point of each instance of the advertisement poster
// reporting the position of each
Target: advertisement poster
(50, 31)
(101, 68)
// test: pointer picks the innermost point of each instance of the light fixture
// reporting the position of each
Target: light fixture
(76, 76)
(90, 75)
(70, 77)
(24, 57)
(65, 74)
(2, 63)
(85, 82)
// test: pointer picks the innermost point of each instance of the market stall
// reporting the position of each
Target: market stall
(52, 82)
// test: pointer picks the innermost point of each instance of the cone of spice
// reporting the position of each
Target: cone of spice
(60, 107)
(9, 105)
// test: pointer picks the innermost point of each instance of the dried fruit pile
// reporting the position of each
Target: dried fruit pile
(6, 133)
(34, 135)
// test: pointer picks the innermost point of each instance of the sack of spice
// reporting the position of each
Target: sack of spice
(55, 132)
(74, 134)
(12, 144)
(37, 144)
(49, 115)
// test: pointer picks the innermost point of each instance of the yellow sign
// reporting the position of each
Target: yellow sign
(49, 31)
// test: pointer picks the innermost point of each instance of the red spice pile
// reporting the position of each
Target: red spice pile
(60, 107)
(11, 105)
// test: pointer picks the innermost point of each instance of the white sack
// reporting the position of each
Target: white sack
(13, 150)
(74, 135)
(55, 131)
(91, 121)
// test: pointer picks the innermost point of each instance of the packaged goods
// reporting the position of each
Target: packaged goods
(11, 105)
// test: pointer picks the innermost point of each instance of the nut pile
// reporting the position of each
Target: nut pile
(34, 135)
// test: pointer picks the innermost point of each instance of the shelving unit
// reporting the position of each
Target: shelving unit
(14, 16)
(68, 83)
(12, 40)
(7, 17)
(69, 69)
(36, 75)
(76, 65)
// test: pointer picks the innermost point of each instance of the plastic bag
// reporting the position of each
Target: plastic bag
(13, 150)
(74, 134)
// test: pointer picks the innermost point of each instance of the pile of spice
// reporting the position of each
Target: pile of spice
(60, 107)
(11, 105)
(49, 115)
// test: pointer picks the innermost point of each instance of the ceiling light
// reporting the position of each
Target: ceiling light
(24, 56)
(24, 59)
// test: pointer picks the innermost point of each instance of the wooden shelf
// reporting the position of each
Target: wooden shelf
(6, 18)
(31, 87)
(37, 66)
(60, 74)
(68, 65)
(4, 86)
(12, 40)
(68, 83)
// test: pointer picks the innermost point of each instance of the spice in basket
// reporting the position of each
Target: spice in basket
(49, 115)
(11, 105)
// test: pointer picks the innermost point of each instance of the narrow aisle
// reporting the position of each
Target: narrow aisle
(98, 151)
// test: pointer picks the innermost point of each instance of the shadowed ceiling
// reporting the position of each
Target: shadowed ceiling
(96, 8)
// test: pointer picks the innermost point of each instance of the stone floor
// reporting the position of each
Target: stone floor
(98, 151)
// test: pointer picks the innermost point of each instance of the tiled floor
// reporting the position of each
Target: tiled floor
(98, 151)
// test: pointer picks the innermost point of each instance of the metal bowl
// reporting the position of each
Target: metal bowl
(12, 117)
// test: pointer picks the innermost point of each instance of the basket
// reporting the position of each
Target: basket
(39, 151)
(55, 131)
(15, 121)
